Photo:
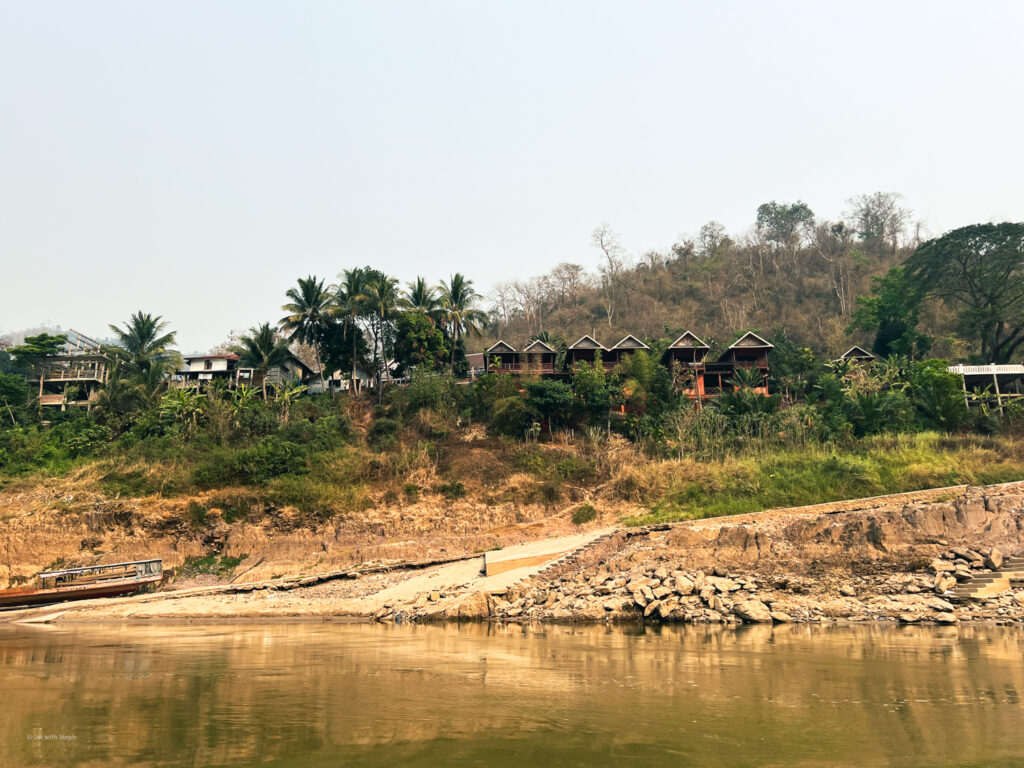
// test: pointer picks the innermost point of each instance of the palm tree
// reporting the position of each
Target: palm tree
(310, 308)
(421, 297)
(261, 349)
(381, 306)
(458, 302)
(746, 378)
(144, 342)
(350, 301)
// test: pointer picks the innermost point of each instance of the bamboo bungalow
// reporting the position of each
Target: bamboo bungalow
(501, 358)
(625, 348)
(585, 350)
(686, 355)
(748, 351)
(856, 354)
(539, 357)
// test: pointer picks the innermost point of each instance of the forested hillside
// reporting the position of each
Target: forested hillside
(790, 271)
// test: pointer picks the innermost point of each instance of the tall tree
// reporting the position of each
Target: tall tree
(419, 343)
(350, 299)
(783, 223)
(421, 297)
(262, 349)
(145, 341)
(892, 313)
(382, 299)
(310, 309)
(979, 269)
(459, 302)
(28, 355)
(878, 218)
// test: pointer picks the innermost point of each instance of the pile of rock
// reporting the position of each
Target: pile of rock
(657, 594)
(960, 564)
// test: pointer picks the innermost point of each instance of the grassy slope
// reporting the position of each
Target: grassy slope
(687, 488)
(350, 480)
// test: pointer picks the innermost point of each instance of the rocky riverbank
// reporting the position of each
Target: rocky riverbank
(892, 559)
(669, 593)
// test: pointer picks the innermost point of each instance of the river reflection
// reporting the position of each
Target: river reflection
(371, 695)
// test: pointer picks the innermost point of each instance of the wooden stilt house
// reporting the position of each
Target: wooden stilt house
(501, 358)
(538, 357)
(685, 358)
(624, 348)
(748, 351)
(857, 355)
(585, 350)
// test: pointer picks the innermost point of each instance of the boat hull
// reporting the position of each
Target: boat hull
(16, 598)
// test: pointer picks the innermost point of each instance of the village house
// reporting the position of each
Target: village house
(856, 354)
(685, 357)
(538, 357)
(341, 381)
(76, 375)
(202, 370)
(748, 351)
(586, 350)
(501, 357)
(624, 348)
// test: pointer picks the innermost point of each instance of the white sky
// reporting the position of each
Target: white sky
(192, 159)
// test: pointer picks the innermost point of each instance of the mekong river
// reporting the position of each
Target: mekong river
(332, 694)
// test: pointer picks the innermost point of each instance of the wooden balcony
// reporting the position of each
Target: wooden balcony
(521, 368)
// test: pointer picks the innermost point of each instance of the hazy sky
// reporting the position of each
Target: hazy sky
(192, 159)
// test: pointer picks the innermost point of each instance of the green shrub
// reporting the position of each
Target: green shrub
(220, 566)
(583, 514)
(412, 491)
(437, 392)
(548, 493)
(132, 483)
(513, 417)
(382, 433)
(574, 469)
(453, 490)
(196, 513)
(487, 391)
(256, 465)
(235, 506)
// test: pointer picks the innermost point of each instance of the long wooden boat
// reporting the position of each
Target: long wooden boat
(107, 580)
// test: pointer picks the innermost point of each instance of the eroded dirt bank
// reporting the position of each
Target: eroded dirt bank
(903, 558)
(60, 524)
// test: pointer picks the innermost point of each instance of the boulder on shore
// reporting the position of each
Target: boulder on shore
(752, 612)
(994, 561)
(475, 605)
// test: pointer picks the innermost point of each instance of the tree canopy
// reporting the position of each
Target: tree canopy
(979, 270)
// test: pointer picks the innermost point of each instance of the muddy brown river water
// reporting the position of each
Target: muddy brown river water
(325, 694)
